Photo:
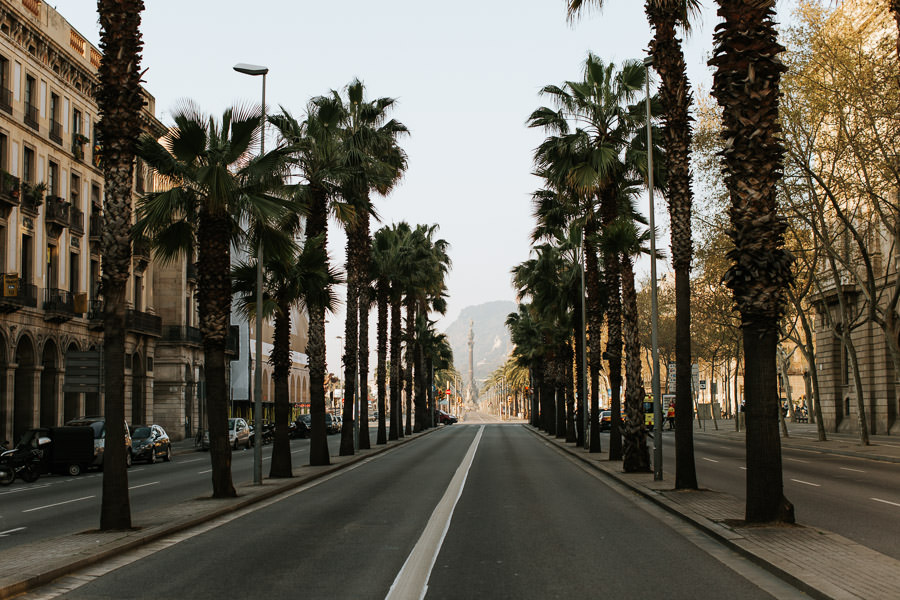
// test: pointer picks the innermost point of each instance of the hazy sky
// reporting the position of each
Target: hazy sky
(466, 74)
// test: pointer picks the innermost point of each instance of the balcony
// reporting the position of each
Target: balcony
(95, 227)
(16, 293)
(141, 322)
(233, 343)
(31, 116)
(9, 193)
(6, 99)
(183, 334)
(78, 142)
(56, 131)
(58, 305)
(95, 315)
(56, 215)
(76, 220)
(31, 196)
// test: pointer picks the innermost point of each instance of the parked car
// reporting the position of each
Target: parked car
(98, 426)
(150, 442)
(64, 450)
(337, 422)
(238, 434)
(301, 427)
(444, 418)
(331, 424)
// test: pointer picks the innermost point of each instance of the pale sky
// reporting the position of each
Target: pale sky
(466, 75)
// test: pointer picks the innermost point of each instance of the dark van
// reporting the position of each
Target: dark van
(65, 450)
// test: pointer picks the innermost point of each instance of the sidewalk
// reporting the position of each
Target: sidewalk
(818, 562)
(32, 565)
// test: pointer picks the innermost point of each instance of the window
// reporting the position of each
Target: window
(52, 267)
(28, 169)
(138, 293)
(5, 91)
(74, 274)
(94, 287)
(75, 191)
(31, 110)
(4, 157)
(52, 178)
(55, 125)
(27, 252)
(76, 121)
(139, 176)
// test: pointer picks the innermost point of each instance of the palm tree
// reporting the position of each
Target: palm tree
(745, 84)
(384, 264)
(375, 163)
(120, 102)
(212, 189)
(595, 144)
(318, 153)
(666, 16)
(297, 279)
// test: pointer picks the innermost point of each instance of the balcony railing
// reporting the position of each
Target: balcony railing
(58, 305)
(76, 220)
(31, 116)
(6, 99)
(56, 131)
(9, 188)
(141, 322)
(184, 334)
(56, 215)
(31, 196)
(16, 293)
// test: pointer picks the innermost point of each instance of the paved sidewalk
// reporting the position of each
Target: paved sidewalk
(818, 562)
(32, 565)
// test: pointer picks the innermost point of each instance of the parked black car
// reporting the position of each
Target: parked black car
(98, 426)
(149, 443)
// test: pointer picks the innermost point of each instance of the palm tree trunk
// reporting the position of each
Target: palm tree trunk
(281, 369)
(579, 380)
(561, 392)
(636, 454)
(382, 360)
(396, 431)
(365, 302)
(410, 357)
(120, 102)
(214, 302)
(595, 326)
(614, 357)
(317, 225)
(675, 93)
(351, 338)
(571, 435)
(746, 85)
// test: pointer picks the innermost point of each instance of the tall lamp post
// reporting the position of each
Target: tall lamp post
(654, 307)
(257, 385)
(343, 386)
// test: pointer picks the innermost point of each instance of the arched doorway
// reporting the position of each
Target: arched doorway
(50, 385)
(23, 407)
(71, 400)
(138, 390)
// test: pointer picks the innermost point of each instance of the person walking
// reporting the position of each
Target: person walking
(670, 415)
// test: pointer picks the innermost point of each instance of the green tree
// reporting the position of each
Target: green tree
(746, 85)
(120, 101)
(299, 278)
(212, 190)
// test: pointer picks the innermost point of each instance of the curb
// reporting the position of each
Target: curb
(720, 533)
(141, 538)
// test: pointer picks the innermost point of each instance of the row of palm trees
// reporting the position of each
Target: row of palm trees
(592, 163)
(214, 195)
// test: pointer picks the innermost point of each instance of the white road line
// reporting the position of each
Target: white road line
(412, 580)
(742, 468)
(202, 472)
(796, 460)
(136, 470)
(57, 504)
(885, 501)
(806, 482)
(854, 470)
(8, 531)
(709, 459)
(182, 462)
(134, 487)
(25, 489)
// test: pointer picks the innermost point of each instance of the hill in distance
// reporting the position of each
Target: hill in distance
(492, 343)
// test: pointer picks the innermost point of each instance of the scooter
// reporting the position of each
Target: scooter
(21, 462)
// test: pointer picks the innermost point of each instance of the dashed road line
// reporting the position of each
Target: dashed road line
(204, 472)
(9, 531)
(57, 504)
(854, 470)
(885, 501)
(134, 487)
(709, 459)
(806, 482)
(799, 460)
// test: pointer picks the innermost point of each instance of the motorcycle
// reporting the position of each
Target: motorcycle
(22, 462)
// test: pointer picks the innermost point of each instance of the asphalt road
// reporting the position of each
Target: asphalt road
(496, 511)
(55, 505)
(857, 498)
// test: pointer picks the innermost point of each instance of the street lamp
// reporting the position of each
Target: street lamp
(654, 308)
(257, 386)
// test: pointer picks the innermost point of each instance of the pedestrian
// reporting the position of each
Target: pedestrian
(670, 415)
